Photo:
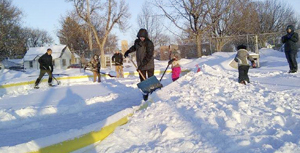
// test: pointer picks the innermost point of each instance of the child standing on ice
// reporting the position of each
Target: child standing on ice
(176, 69)
(242, 57)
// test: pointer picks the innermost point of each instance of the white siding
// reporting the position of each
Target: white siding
(66, 56)
(35, 65)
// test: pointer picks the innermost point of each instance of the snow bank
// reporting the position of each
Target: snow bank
(210, 112)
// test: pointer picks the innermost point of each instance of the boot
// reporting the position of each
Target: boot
(37, 83)
(243, 82)
(145, 97)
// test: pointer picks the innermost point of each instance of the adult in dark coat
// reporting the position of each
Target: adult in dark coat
(46, 66)
(118, 59)
(290, 46)
(144, 49)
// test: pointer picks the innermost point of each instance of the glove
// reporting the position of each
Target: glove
(139, 68)
(171, 61)
(126, 54)
(51, 68)
(253, 64)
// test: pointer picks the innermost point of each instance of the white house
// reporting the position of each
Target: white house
(61, 55)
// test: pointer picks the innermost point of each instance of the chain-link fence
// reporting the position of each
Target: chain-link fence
(253, 42)
(211, 45)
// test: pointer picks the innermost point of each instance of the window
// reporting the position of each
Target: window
(30, 64)
(64, 62)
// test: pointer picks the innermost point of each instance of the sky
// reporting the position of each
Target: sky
(46, 15)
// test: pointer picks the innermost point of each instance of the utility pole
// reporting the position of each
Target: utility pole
(256, 44)
(89, 27)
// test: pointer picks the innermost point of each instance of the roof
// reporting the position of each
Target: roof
(36, 52)
(76, 55)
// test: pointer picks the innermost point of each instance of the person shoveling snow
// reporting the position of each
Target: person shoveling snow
(144, 49)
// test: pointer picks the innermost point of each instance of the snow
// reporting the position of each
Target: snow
(206, 111)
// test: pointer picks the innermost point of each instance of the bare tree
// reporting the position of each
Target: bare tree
(298, 23)
(153, 23)
(273, 19)
(110, 12)
(229, 18)
(189, 16)
(73, 34)
(276, 17)
(37, 37)
(11, 39)
(219, 17)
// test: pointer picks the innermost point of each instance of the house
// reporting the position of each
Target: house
(61, 55)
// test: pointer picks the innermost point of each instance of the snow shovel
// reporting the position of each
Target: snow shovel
(109, 74)
(234, 64)
(164, 72)
(148, 85)
(58, 82)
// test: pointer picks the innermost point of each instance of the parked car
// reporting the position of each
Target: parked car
(74, 66)
(17, 68)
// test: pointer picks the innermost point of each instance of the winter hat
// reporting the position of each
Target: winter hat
(290, 27)
(142, 33)
(95, 56)
(176, 54)
(241, 47)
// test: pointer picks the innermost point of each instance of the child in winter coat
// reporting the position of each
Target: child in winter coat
(176, 69)
(94, 65)
(242, 57)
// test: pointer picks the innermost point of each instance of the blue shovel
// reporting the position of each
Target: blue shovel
(148, 85)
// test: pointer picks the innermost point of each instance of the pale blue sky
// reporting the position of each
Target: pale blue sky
(46, 14)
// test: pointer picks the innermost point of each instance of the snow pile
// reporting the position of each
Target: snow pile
(210, 112)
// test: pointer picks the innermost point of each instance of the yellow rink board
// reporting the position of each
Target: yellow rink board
(77, 77)
(84, 140)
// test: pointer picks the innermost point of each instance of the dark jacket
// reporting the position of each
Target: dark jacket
(118, 59)
(94, 64)
(46, 62)
(144, 51)
(290, 40)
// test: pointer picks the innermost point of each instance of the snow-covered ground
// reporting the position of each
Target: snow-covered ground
(206, 111)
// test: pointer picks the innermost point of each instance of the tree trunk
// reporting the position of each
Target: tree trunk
(101, 48)
(199, 47)
(102, 57)
(220, 44)
(89, 29)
